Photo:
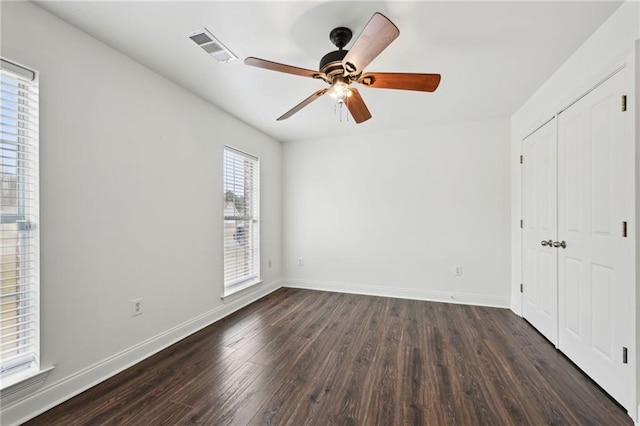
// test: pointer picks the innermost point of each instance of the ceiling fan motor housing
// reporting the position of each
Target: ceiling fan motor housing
(331, 63)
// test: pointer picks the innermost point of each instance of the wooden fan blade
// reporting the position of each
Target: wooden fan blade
(303, 104)
(357, 107)
(275, 66)
(374, 38)
(402, 81)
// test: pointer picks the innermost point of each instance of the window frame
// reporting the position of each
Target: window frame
(25, 368)
(253, 277)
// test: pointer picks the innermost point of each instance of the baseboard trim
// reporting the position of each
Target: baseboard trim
(54, 394)
(401, 293)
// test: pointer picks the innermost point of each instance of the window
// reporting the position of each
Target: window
(19, 252)
(241, 220)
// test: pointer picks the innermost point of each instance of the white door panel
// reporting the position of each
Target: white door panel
(595, 194)
(539, 214)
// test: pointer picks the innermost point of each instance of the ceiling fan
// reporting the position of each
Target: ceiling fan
(341, 68)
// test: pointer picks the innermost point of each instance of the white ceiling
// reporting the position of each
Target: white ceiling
(492, 55)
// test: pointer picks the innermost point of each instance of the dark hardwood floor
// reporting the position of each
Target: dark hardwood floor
(307, 357)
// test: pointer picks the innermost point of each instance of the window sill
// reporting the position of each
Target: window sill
(240, 287)
(20, 385)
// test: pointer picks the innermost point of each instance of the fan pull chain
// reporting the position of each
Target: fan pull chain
(335, 110)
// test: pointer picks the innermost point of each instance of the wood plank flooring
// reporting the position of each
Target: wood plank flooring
(301, 357)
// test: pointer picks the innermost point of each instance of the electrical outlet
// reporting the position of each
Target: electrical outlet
(457, 270)
(300, 262)
(136, 307)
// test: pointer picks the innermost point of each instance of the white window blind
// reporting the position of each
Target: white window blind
(241, 218)
(19, 246)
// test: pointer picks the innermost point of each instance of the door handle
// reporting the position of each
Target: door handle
(547, 243)
(562, 244)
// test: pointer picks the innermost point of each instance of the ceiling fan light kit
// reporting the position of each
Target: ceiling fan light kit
(340, 91)
(340, 68)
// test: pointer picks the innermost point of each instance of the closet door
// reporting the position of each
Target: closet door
(539, 214)
(595, 196)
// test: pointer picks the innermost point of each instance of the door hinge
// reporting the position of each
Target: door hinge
(624, 355)
(521, 223)
(624, 103)
(624, 229)
(521, 288)
(521, 159)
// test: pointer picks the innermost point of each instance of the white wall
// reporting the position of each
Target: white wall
(131, 205)
(392, 213)
(611, 46)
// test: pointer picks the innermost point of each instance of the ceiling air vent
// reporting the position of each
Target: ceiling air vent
(211, 45)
